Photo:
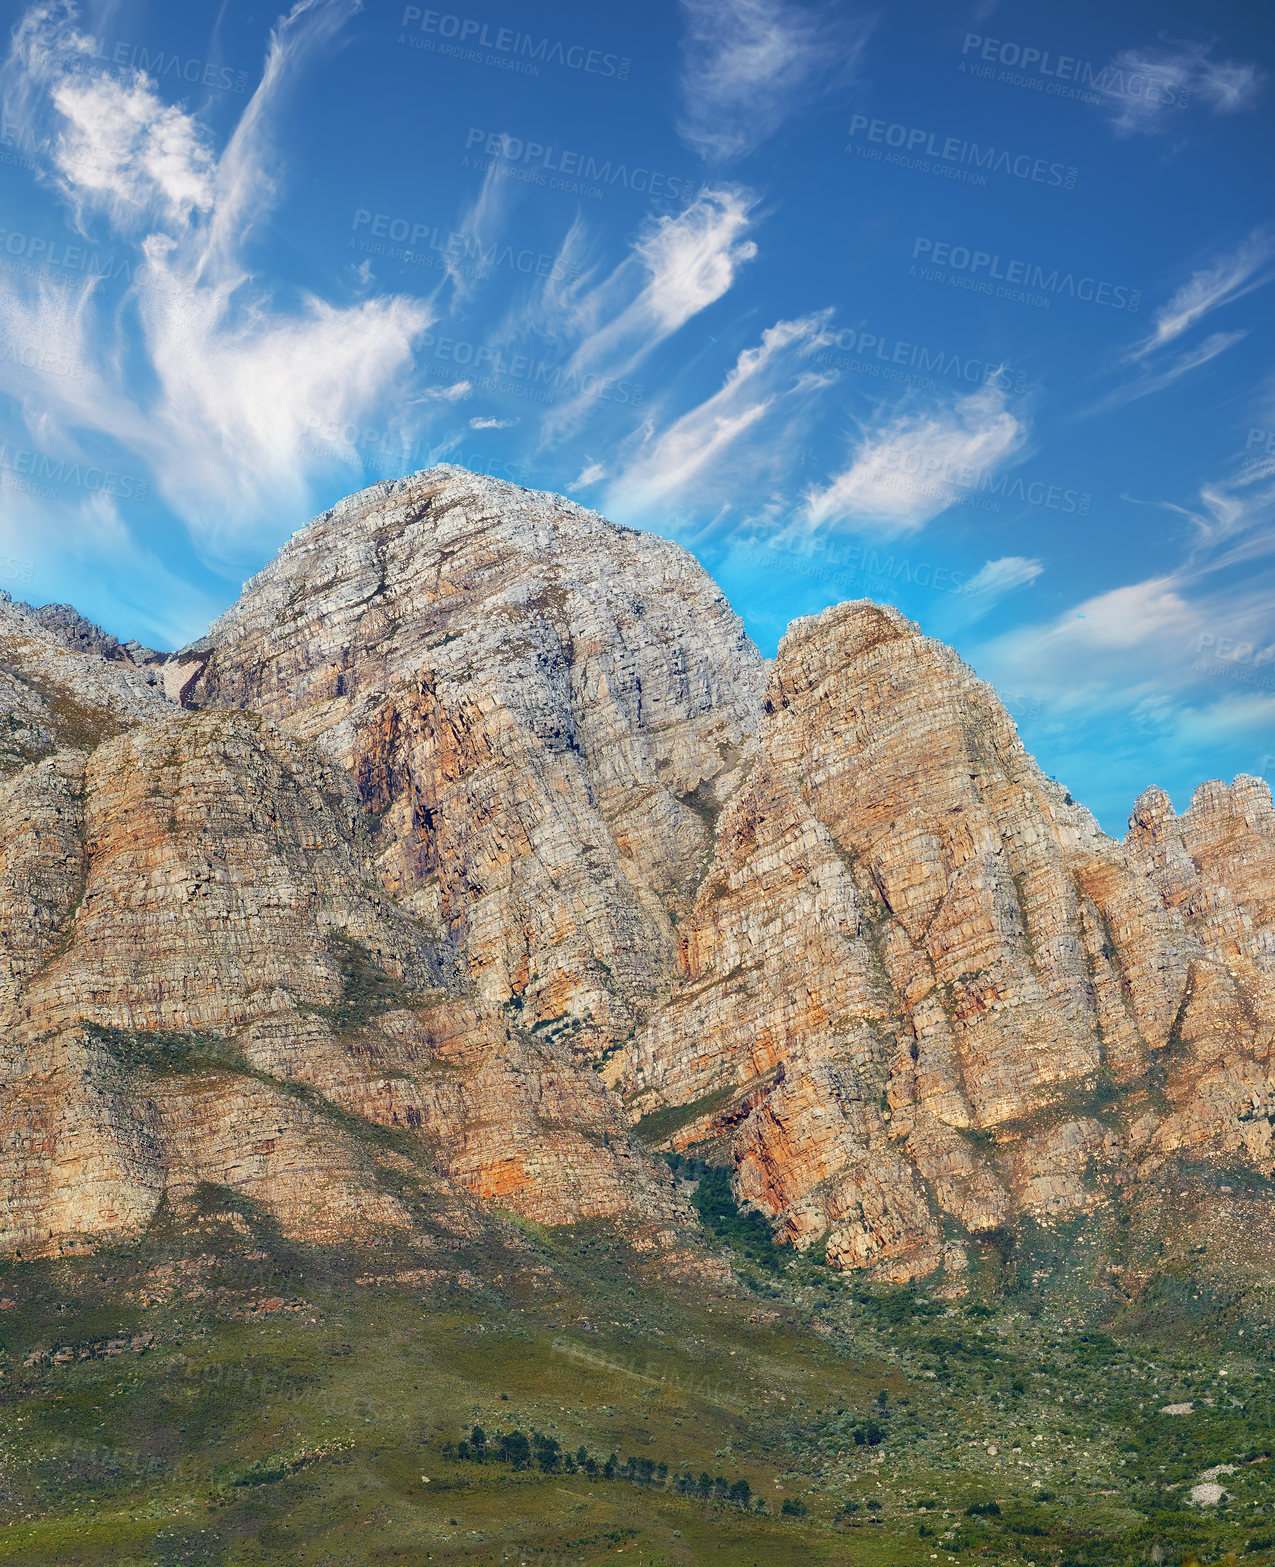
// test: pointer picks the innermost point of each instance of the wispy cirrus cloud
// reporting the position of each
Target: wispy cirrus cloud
(1137, 643)
(1168, 370)
(232, 380)
(910, 467)
(676, 267)
(85, 545)
(1232, 521)
(1209, 287)
(1186, 654)
(1142, 87)
(993, 581)
(748, 64)
(684, 461)
(997, 577)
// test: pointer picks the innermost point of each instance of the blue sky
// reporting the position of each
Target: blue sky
(962, 307)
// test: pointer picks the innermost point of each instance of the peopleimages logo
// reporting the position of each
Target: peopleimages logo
(35, 466)
(18, 146)
(960, 484)
(1026, 282)
(36, 255)
(893, 359)
(417, 239)
(124, 57)
(1231, 651)
(520, 375)
(853, 566)
(1056, 74)
(468, 34)
(45, 360)
(575, 172)
(1226, 658)
(914, 146)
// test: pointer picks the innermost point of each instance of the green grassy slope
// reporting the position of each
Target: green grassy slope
(214, 1395)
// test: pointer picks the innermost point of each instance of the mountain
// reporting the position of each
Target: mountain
(475, 855)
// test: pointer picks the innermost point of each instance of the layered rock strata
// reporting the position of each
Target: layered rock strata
(205, 985)
(540, 710)
(923, 994)
(475, 804)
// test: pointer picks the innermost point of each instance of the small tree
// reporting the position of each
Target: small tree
(548, 1453)
(515, 1449)
(740, 1493)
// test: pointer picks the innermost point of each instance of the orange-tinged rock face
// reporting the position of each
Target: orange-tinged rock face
(540, 709)
(919, 960)
(476, 791)
(210, 936)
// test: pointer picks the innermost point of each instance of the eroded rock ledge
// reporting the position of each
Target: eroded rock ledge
(477, 831)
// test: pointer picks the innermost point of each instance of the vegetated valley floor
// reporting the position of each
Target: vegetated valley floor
(216, 1395)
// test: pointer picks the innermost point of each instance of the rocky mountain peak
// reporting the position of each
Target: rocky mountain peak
(474, 793)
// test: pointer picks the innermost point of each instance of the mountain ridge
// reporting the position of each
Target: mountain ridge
(821, 916)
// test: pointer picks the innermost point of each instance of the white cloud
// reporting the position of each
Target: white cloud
(478, 227)
(911, 467)
(670, 466)
(128, 151)
(1208, 289)
(447, 394)
(748, 64)
(1233, 521)
(1156, 640)
(1228, 86)
(985, 589)
(1108, 650)
(117, 147)
(1156, 380)
(80, 544)
(1175, 665)
(590, 474)
(1142, 87)
(677, 267)
(491, 424)
(234, 383)
(997, 577)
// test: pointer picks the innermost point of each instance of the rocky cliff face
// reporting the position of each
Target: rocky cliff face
(539, 708)
(923, 994)
(473, 794)
(51, 695)
(206, 985)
